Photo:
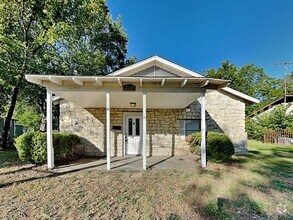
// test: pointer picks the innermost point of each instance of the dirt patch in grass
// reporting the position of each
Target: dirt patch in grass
(258, 186)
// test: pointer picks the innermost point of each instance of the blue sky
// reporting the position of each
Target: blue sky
(201, 34)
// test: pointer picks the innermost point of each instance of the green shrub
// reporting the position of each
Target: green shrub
(39, 149)
(32, 147)
(219, 146)
(24, 146)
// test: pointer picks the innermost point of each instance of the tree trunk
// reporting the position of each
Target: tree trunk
(8, 118)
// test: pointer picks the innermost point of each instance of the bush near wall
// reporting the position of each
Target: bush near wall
(32, 147)
(219, 146)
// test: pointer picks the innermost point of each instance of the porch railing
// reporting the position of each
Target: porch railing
(281, 137)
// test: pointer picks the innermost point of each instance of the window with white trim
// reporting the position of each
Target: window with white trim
(189, 126)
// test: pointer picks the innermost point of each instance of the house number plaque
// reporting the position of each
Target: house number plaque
(129, 87)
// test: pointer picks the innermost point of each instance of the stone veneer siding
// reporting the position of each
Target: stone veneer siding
(224, 114)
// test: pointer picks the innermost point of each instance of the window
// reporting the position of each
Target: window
(137, 126)
(130, 126)
(189, 126)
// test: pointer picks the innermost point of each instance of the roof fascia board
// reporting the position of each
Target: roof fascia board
(170, 66)
(157, 61)
(134, 67)
(240, 95)
(33, 79)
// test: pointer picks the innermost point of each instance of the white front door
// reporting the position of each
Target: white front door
(133, 135)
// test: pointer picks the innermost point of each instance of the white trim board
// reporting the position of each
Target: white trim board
(159, 62)
(240, 95)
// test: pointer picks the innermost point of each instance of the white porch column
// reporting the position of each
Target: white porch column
(144, 131)
(203, 130)
(50, 150)
(108, 138)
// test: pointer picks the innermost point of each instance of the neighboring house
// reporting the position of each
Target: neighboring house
(147, 108)
(15, 129)
(281, 101)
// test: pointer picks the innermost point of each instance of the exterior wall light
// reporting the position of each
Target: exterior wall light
(132, 104)
(188, 109)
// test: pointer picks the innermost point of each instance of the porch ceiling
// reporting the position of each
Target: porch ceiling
(93, 99)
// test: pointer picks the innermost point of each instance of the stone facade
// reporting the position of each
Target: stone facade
(227, 115)
(224, 114)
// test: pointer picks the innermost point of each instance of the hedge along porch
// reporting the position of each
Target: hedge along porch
(149, 85)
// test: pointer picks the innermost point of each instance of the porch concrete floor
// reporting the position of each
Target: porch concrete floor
(184, 163)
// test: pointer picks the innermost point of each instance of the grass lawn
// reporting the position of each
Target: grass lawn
(8, 159)
(258, 186)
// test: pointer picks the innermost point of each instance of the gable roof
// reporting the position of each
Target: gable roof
(151, 70)
(160, 63)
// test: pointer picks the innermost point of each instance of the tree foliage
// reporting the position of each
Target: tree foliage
(278, 118)
(28, 116)
(59, 37)
(56, 37)
(250, 80)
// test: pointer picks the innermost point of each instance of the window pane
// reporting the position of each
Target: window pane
(192, 125)
(137, 126)
(182, 127)
(130, 126)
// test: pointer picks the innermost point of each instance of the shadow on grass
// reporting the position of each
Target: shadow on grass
(240, 207)
(254, 152)
(217, 174)
(279, 174)
(276, 170)
(18, 170)
(9, 158)
(74, 169)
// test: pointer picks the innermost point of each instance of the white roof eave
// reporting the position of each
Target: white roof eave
(240, 95)
(38, 79)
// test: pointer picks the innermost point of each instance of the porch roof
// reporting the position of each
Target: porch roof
(104, 81)
(154, 75)
(164, 93)
(77, 88)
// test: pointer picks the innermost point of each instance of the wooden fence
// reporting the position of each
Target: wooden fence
(283, 137)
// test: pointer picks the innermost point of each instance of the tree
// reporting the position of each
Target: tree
(27, 115)
(56, 37)
(278, 118)
(3, 99)
(250, 80)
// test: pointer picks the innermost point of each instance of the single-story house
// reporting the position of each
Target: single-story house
(145, 109)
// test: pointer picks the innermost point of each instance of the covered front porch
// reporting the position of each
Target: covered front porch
(141, 94)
